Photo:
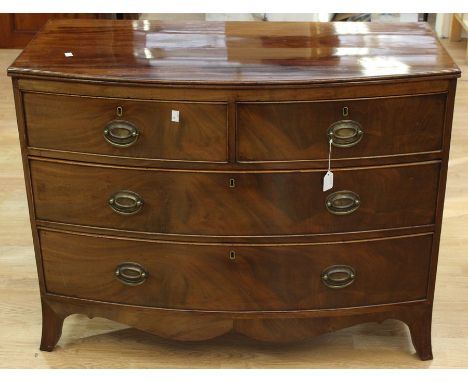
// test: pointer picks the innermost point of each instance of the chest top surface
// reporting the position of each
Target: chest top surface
(233, 53)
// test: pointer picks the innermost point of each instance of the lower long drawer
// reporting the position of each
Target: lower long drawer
(236, 278)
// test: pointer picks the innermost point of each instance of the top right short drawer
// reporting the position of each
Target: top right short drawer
(366, 127)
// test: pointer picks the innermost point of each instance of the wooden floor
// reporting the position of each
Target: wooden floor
(102, 343)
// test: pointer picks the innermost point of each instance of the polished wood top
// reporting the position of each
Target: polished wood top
(233, 53)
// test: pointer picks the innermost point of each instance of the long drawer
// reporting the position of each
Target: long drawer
(291, 131)
(222, 277)
(118, 127)
(234, 204)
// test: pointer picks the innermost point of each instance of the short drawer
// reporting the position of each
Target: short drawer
(222, 277)
(121, 127)
(235, 204)
(375, 127)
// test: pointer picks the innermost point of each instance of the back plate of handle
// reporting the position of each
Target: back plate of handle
(338, 276)
(345, 133)
(121, 133)
(342, 202)
(131, 274)
(126, 202)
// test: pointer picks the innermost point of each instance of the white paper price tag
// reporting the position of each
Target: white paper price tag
(328, 178)
(328, 181)
(175, 116)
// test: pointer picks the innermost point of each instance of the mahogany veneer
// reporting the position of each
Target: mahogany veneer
(174, 174)
(263, 278)
(201, 134)
(259, 204)
(285, 131)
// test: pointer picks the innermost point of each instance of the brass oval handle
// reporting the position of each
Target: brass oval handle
(345, 133)
(131, 274)
(338, 276)
(121, 133)
(342, 202)
(126, 202)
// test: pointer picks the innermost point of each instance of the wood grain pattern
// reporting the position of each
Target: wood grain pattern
(182, 326)
(17, 29)
(241, 240)
(296, 329)
(298, 131)
(100, 343)
(52, 323)
(277, 203)
(250, 93)
(77, 124)
(257, 278)
(234, 52)
(295, 93)
(201, 326)
(218, 203)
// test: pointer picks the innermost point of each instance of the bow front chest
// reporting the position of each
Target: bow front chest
(175, 174)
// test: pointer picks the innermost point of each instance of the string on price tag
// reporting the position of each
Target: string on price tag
(328, 178)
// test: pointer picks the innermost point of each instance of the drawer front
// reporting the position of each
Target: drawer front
(232, 204)
(211, 277)
(368, 128)
(141, 129)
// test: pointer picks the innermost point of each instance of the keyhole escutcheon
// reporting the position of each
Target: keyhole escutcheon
(232, 255)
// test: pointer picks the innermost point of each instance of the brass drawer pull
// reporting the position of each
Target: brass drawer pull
(338, 276)
(131, 274)
(121, 133)
(126, 202)
(345, 133)
(342, 202)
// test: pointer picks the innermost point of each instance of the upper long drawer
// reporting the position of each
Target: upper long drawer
(118, 127)
(235, 203)
(292, 131)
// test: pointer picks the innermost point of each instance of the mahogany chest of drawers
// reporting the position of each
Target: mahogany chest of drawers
(175, 172)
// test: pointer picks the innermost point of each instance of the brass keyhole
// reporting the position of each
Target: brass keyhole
(345, 111)
(232, 255)
(119, 111)
(232, 183)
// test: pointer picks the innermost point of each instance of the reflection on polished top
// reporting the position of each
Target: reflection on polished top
(233, 52)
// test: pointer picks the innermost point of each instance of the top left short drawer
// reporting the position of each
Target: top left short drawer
(127, 128)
